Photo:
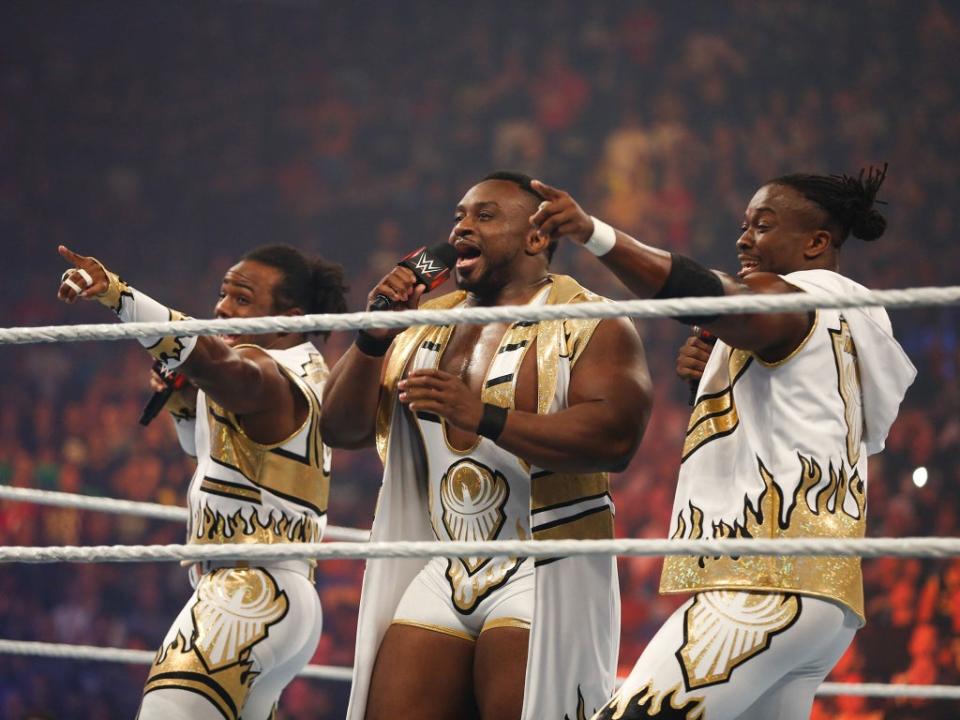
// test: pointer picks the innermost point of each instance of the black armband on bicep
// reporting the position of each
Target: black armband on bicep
(689, 278)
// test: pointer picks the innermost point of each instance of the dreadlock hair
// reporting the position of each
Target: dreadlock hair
(524, 182)
(314, 285)
(848, 201)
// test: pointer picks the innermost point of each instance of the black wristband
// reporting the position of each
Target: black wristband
(371, 346)
(492, 422)
(688, 278)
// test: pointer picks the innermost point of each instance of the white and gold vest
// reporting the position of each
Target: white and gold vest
(485, 492)
(778, 450)
(246, 492)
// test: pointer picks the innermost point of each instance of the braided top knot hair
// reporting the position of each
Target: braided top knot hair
(848, 201)
(314, 285)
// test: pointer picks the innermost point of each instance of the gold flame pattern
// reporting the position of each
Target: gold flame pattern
(211, 527)
(648, 702)
(831, 504)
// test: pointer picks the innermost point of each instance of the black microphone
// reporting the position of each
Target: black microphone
(172, 381)
(431, 266)
(709, 338)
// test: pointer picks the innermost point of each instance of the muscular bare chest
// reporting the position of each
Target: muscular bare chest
(469, 354)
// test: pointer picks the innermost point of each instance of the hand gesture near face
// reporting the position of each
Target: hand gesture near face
(401, 287)
(86, 279)
(559, 215)
(443, 394)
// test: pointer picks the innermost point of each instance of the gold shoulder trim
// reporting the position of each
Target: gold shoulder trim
(796, 351)
(401, 351)
(561, 338)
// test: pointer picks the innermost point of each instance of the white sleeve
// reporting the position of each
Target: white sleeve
(186, 434)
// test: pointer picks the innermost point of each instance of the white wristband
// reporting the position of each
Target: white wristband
(603, 239)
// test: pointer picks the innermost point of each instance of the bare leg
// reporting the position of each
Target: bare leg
(500, 669)
(422, 675)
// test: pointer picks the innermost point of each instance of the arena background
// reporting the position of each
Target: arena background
(167, 138)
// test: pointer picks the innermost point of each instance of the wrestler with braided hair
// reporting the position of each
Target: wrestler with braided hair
(788, 407)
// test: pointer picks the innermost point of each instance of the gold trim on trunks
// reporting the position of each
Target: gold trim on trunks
(435, 628)
(505, 622)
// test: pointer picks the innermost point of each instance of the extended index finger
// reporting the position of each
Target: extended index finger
(70, 256)
(549, 192)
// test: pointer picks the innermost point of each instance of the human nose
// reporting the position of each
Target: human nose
(745, 241)
(463, 227)
(222, 309)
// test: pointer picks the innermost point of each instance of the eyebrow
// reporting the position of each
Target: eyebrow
(761, 209)
(482, 203)
(228, 281)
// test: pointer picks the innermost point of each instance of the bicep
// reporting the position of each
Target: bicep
(613, 370)
(243, 380)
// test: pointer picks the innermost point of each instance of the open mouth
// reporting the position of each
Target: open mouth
(747, 265)
(467, 254)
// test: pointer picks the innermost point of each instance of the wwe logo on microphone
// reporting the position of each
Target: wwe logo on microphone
(425, 265)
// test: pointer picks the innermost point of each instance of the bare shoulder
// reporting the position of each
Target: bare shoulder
(614, 342)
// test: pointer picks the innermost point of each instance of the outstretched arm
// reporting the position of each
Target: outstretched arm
(652, 272)
(245, 380)
(609, 402)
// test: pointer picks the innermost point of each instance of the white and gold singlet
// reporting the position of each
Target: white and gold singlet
(247, 631)
(772, 450)
(779, 450)
(476, 494)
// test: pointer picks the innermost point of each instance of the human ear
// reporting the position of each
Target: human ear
(817, 244)
(535, 243)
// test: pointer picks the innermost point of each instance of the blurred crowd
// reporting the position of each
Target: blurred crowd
(168, 140)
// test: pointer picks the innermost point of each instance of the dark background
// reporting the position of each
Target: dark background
(168, 138)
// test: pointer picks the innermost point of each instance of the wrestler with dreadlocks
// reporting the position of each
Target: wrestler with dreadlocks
(788, 408)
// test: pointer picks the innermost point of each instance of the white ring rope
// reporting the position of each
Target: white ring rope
(134, 657)
(932, 547)
(329, 672)
(673, 307)
(139, 509)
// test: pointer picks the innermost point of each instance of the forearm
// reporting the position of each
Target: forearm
(642, 268)
(131, 305)
(586, 437)
(350, 400)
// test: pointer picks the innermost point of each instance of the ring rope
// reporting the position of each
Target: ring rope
(133, 657)
(931, 547)
(330, 672)
(139, 509)
(671, 307)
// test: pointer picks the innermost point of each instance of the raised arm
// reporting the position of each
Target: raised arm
(244, 380)
(609, 401)
(651, 272)
(352, 392)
